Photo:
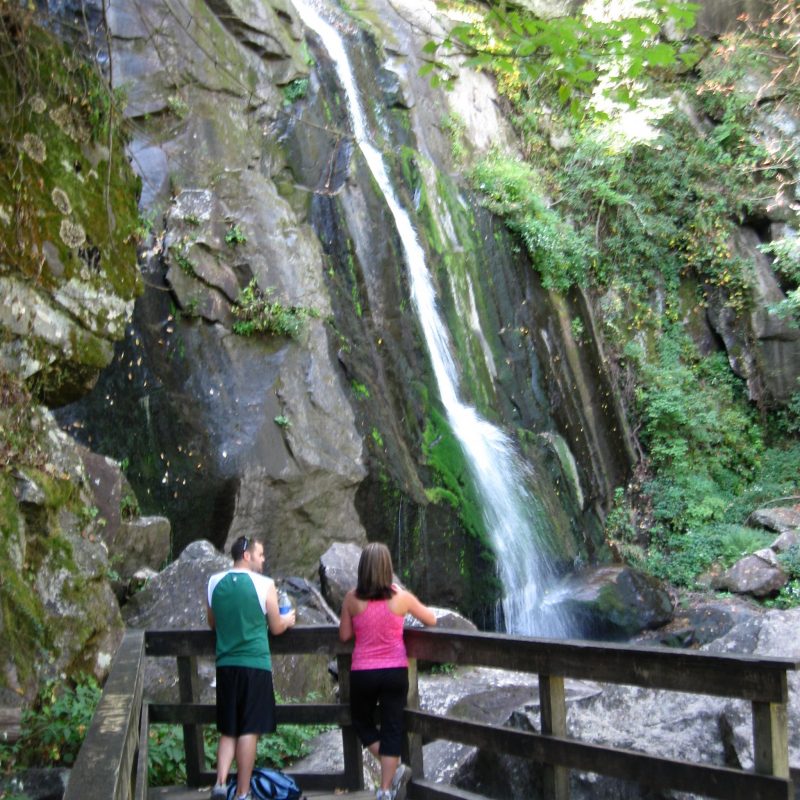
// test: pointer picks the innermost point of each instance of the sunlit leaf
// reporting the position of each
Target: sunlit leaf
(660, 55)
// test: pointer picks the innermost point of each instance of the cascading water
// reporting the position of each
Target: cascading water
(501, 477)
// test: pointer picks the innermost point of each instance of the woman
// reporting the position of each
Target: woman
(373, 612)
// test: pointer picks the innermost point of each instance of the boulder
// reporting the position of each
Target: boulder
(786, 541)
(759, 574)
(36, 784)
(338, 572)
(780, 520)
(132, 541)
(141, 542)
(615, 601)
(701, 623)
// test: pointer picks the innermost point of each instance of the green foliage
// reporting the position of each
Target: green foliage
(681, 557)
(178, 106)
(455, 127)
(295, 90)
(165, 756)
(55, 727)
(256, 313)
(710, 461)
(234, 236)
(282, 421)
(574, 55)
(167, 767)
(789, 595)
(360, 390)
(620, 529)
(695, 414)
(511, 189)
(129, 506)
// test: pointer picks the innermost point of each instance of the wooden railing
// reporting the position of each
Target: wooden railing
(112, 763)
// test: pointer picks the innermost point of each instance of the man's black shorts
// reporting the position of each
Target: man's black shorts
(245, 701)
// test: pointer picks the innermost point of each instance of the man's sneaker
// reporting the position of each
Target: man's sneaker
(383, 794)
(219, 792)
(401, 777)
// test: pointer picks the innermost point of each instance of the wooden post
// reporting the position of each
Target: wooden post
(412, 742)
(771, 739)
(553, 711)
(351, 745)
(140, 783)
(193, 746)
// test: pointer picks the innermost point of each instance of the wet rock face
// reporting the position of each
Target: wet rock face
(204, 401)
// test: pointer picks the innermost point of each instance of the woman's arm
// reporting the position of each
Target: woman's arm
(346, 619)
(278, 623)
(412, 605)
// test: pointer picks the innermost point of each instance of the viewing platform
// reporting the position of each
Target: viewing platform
(112, 764)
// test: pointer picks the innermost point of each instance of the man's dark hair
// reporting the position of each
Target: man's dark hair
(241, 545)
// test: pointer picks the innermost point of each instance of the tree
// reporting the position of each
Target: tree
(581, 54)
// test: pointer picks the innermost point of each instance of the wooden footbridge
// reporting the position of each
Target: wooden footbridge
(112, 764)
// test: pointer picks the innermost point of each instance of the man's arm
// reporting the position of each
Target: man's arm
(278, 623)
(212, 623)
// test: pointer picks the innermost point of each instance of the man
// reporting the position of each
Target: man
(238, 602)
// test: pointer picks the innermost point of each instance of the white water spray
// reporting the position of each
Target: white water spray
(509, 509)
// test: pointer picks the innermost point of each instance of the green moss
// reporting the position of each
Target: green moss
(444, 455)
(23, 633)
(67, 182)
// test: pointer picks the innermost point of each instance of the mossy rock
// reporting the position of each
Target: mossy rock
(68, 209)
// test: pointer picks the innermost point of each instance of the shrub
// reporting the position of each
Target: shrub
(54, 728)
(256, 313)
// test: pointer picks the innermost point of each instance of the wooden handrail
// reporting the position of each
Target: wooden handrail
(762, 681)
(105, 768)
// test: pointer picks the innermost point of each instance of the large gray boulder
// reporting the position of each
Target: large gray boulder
(759, 574)
(338, 572)
(616, 601)
(778, 519)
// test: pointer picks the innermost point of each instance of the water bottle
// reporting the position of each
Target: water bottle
(284, 603)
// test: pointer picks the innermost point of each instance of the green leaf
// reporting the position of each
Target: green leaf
(660, 55)
(587, 76)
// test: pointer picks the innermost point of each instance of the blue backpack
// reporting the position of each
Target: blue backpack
(268, 784)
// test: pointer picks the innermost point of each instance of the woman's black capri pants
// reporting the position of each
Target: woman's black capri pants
(386, 689)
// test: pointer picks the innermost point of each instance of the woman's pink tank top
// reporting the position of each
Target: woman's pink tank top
(379, 638)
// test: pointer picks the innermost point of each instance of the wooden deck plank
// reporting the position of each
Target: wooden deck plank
(185, 793)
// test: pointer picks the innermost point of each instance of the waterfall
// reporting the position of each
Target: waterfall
(512, 516)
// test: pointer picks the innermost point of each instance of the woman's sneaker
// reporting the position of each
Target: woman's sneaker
(401, 777)
(219, 792)
(383, 794)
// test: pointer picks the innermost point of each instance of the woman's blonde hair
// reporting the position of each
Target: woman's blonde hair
(375, 573)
